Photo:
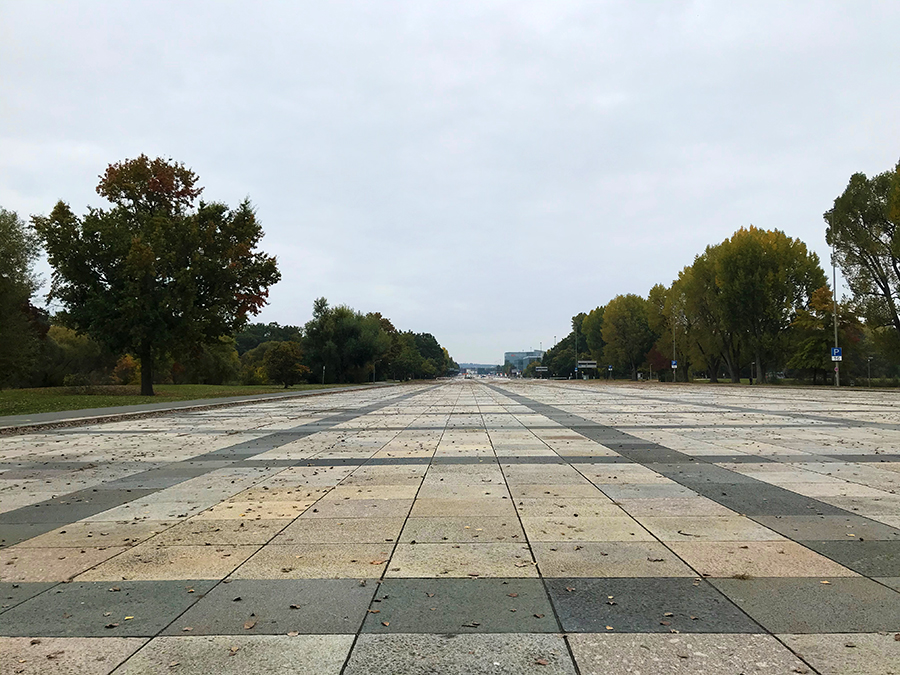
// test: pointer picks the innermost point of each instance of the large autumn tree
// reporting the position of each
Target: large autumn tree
(158, 272)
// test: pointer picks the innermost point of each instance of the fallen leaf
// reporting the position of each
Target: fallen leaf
(128, 618)
(569, 589)
(668, 614)
(385, 623)
(824, 582)
(233, 651)
(174, 664)
(373, 611)
(512, 595)
(538, 616)
(541, 662)
(111, 625)
(293, 633)
(188, 629)
(249, 623)
(295, 606)
(609, 628)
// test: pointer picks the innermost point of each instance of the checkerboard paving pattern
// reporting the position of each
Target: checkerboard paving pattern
(481, 526)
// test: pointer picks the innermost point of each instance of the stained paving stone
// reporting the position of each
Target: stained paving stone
(707, 528)
(100, 610)
(612, 528)
(51, 564)
(341, 531)
(241, 655)
(462, 560)
(871, 558)
(65, 656)
(98, 533)
(689, 654)
(461, 529)
(806, 605)
(262, 606)
(757, 559)
(837, 654)
(461, 606)
(609, 559)
(197, 532)
(73, 506)
(645, 605)
(317, 561)
(499, 654)
(151, 562)
(11, 594)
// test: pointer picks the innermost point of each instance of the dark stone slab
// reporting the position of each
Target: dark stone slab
(806, 605)
(461, 606)
(320, 606)
(15, 533)
(641, 605)
(699, 472)
(761, 499)
(834, 528)
(871, 558)
(74, 506)
(86, 609)
(14, 594)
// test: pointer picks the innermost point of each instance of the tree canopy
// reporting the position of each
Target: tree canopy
(155, 273)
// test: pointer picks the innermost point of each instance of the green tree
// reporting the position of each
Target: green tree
(284, 363)
(255, 334)
(153, 274)
(343, 344)
(764, 279)
(626, 332)
(864, 229)
(20, 324)
(592, 329)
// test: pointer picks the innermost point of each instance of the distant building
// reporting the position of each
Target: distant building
(520, 360)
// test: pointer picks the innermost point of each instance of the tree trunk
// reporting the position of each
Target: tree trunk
(760, 369)
(146, 357)
(714, 371)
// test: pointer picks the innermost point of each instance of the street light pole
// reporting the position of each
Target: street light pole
(837, 364)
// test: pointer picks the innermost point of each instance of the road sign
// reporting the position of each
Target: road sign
(541, 369)
(837, 354)
(587, 364)
(674, 365)
(609, 367)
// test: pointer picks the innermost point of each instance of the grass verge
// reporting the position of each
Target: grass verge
(59, 399)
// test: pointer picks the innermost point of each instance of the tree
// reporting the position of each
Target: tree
(343, 342)
(864, 229)
(592, 329)
(284, 363)
(764, 279)
(255, 334)
(20, 324)
(153, 274)
(626, 332)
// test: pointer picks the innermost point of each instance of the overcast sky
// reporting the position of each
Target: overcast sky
(478, 170)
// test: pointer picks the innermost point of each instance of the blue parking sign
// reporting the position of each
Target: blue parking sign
(674, 365)
(837, 354)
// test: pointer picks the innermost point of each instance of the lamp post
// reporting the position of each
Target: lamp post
(323, 375)
(869, 369)
(837, 364)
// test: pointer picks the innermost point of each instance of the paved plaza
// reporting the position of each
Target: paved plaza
(478, 526)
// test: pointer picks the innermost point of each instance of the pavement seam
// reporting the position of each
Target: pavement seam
(550, 601)
(699, 575)
(394, 549)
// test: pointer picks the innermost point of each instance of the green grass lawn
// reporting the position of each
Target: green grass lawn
(57, 399)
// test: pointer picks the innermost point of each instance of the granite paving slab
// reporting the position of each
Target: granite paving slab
(645, 605)
(263, 606)
(609, 559)
(462, 560)
(99, 609)
(455, 654)
(685, 654)
(241, 655)
(807, 605)
(461, 606)
(11, 594)
(65, 656)
(317, 561)
(837, 653)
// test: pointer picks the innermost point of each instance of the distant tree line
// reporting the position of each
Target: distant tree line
(160, 287)
(759, 305)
